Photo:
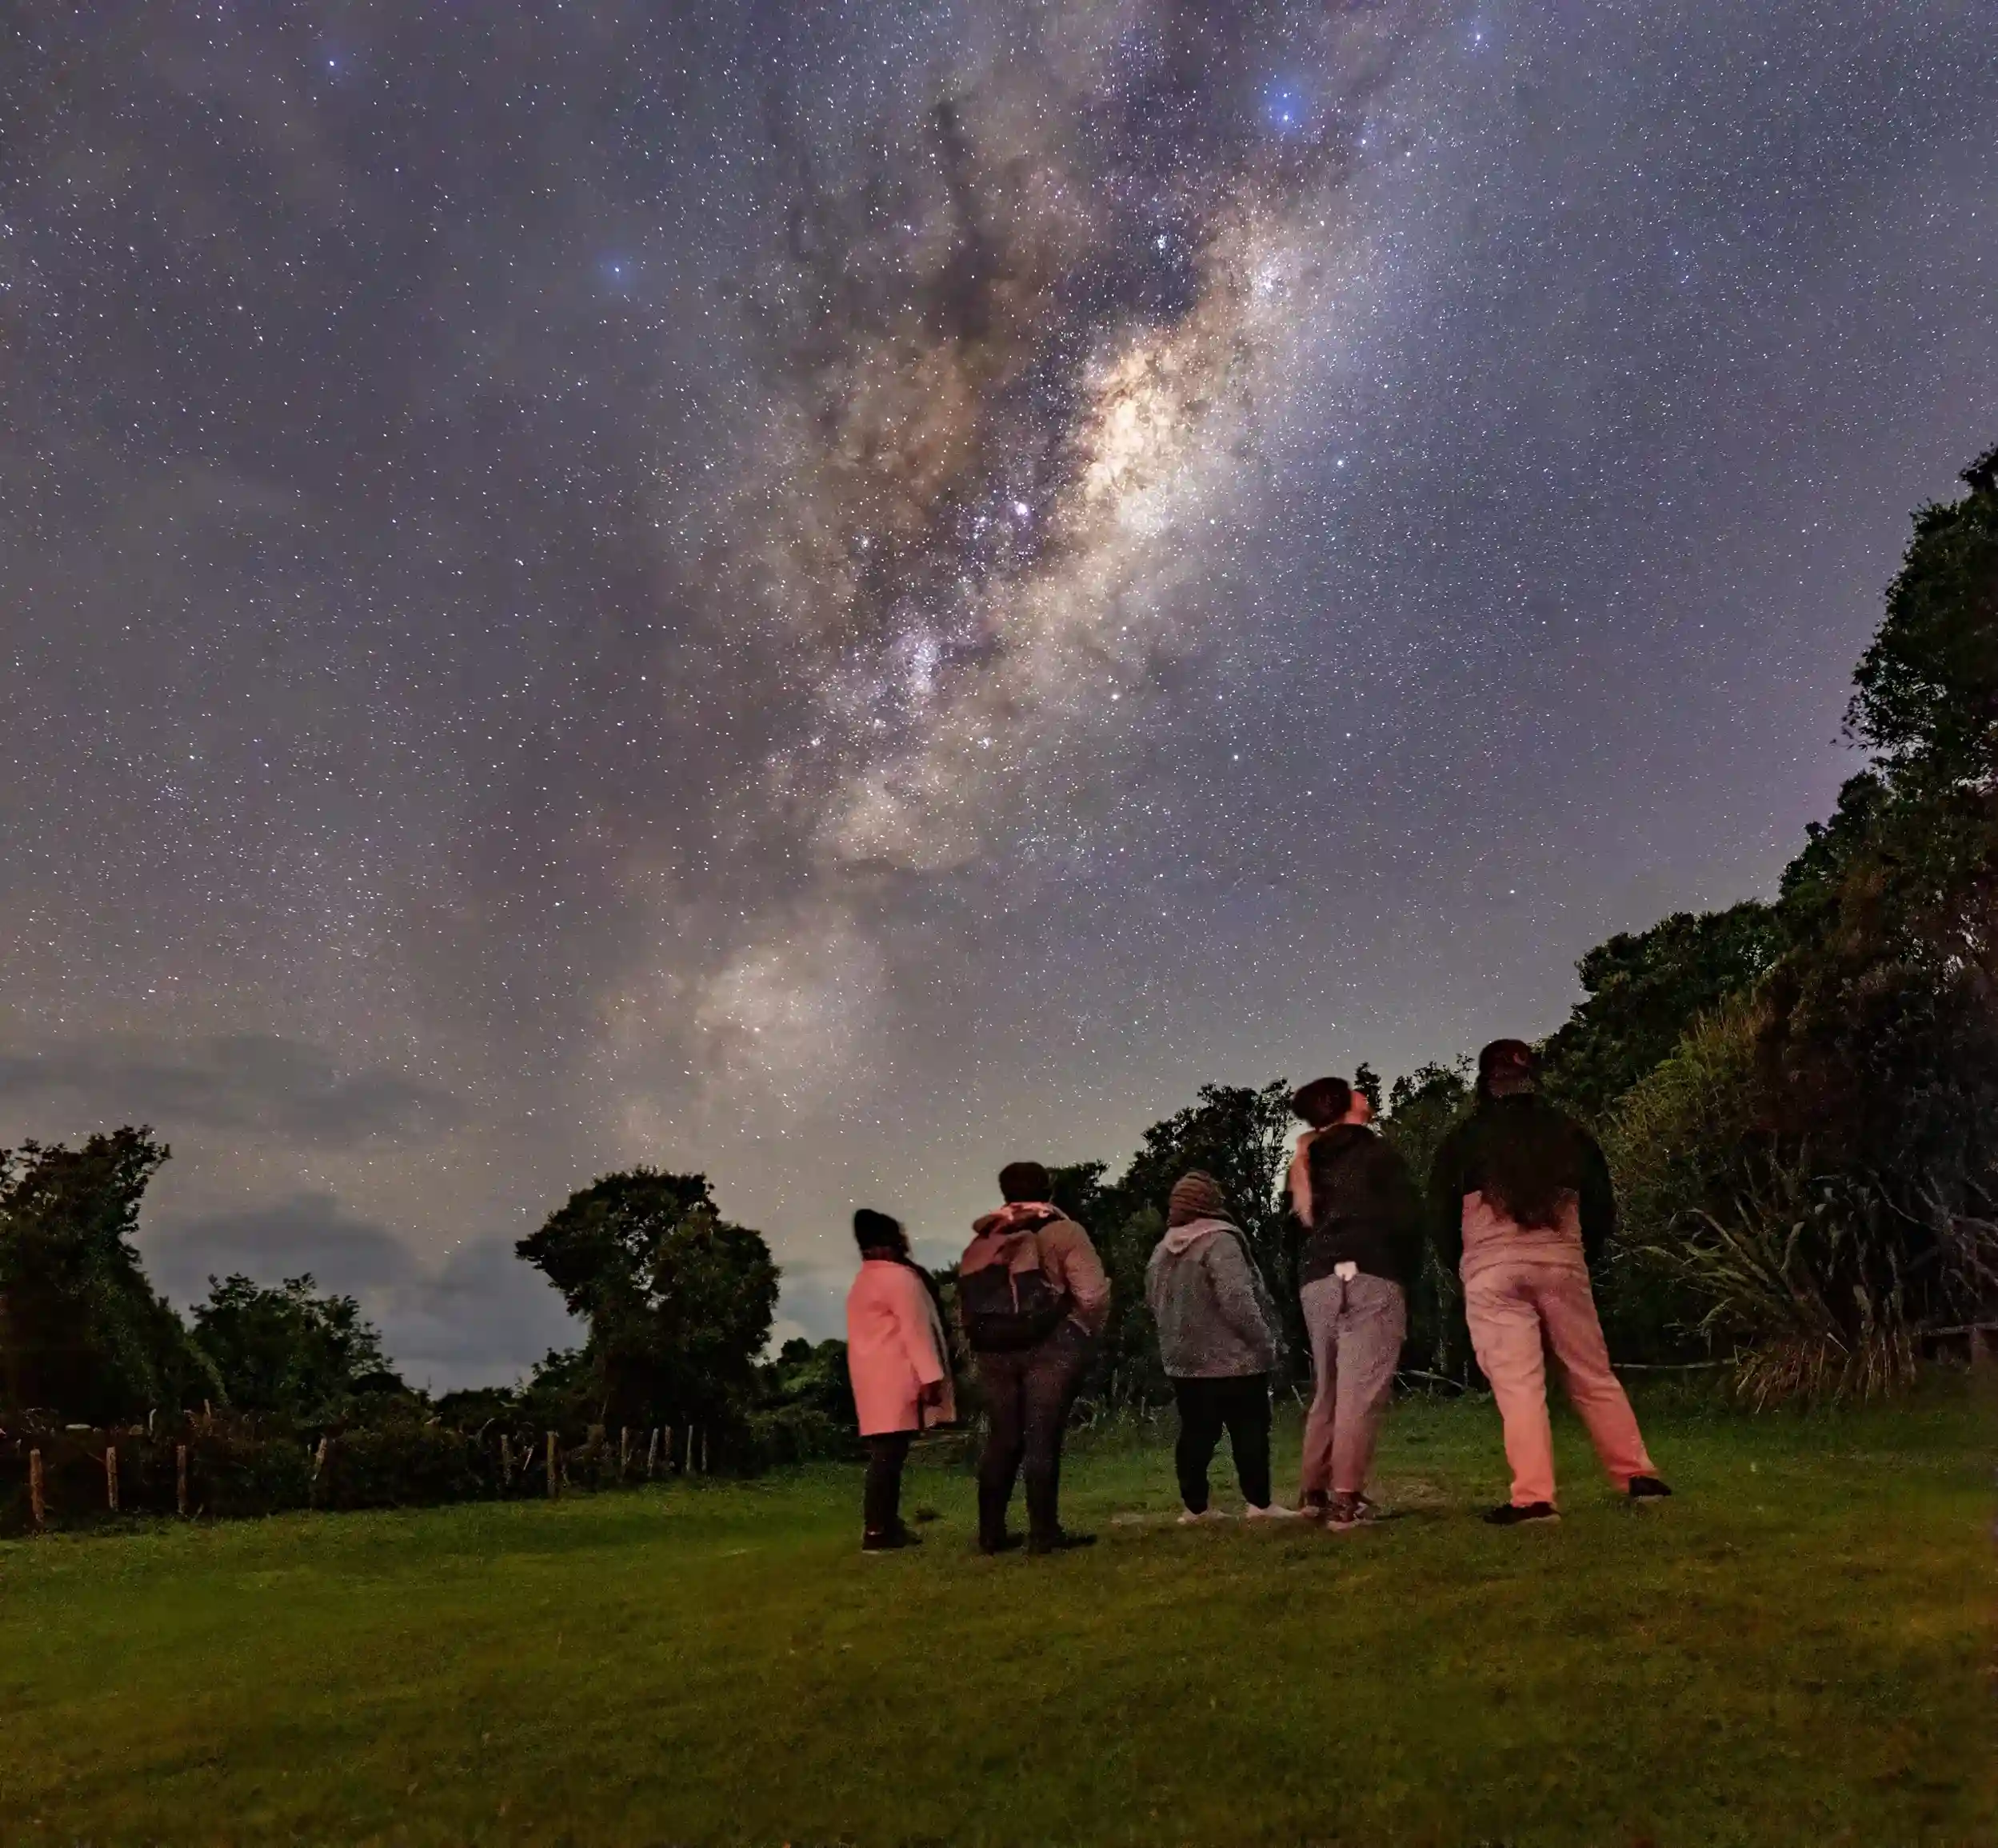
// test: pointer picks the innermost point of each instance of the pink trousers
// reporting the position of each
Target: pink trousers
(1518, 1308)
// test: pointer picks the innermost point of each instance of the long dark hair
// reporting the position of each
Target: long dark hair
(1532, 1164)
(879, 1235)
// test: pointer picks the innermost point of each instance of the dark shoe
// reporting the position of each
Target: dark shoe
(909, 1537)
(1005, 1543)
(1062, 1542)
(1315, 1506)
(1507, 1514)
(887, 1542)
(1350, 1511)
(1646, 1489)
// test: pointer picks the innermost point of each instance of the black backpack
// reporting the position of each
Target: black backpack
(1006, 1311)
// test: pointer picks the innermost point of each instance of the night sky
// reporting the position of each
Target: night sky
(839, 594)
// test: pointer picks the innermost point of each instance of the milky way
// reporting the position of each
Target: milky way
(1020, 337)
(838, 594)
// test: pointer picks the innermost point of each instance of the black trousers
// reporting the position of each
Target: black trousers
(1206, 1406)
(882, 1500)
(1027, 1398)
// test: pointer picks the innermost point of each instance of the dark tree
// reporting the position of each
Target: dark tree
(812, 1377)
(679, 1302)
(1645, 988)
(289, 1350)
(1925, 693)
(1881, 1044)
(81, 1331)
(1422, 1104)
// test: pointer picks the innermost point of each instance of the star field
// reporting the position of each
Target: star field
(838, 594)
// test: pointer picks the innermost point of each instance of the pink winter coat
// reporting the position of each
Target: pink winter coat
(894, 1348)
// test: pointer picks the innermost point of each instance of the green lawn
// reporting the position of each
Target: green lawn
(1796, 1648)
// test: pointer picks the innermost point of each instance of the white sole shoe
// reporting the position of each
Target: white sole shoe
(1275, 1511)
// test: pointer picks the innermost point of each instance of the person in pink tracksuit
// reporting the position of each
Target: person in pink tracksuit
(900, 1367)
(1523, 1203)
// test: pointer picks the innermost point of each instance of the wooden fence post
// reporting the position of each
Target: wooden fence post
(704, 1449)
(37, 1508)
(110, 1477)
(652, 1455)
(180, 1478)
(554, 1480)
(686, 1453)
(506, 1461)
(624, 1451)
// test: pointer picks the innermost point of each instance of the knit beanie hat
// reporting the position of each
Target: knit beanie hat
(1195, 1195)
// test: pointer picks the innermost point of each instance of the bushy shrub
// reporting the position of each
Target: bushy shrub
(232, 1473)
(398, 1465)
(796, 1434)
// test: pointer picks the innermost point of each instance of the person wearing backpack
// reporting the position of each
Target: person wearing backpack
(1524, 1205)
(1032, 1299)
(1362, 1248)
(1218, 1338)
(900, 1368)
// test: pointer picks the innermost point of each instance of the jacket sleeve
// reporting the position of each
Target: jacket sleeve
(1082, 1273)
(1598, 1202)
(1236, 1298)
(912, 1330)
(1446, 1202)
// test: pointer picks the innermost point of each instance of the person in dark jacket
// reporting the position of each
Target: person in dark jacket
(1035, 1253)
(1523, 1205)
(1217, 1339)
(1361, 1252)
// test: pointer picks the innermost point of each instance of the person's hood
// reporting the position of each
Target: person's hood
(1181, 1239)
(1020, 1216)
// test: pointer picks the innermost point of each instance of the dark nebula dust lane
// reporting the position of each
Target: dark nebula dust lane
(838, 594)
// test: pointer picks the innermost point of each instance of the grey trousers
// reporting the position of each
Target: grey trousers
(1356, 1328)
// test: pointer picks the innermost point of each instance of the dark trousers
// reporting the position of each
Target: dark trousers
(882, 1500)
(1206, 1406)
(1027, 1399)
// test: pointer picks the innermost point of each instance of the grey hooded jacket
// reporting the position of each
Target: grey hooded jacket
(1214, 1316)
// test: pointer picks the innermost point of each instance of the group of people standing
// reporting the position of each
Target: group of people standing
(1518, 1204)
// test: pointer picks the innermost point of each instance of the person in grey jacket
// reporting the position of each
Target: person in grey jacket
(1217, 1336)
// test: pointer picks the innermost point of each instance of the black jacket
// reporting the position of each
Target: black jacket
(1527, 1138)
(1365, 1208)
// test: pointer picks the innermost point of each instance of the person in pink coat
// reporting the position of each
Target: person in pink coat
(900, 1366)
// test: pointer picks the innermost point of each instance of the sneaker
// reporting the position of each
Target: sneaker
(1206, 1518)
(1064, 1541)
(1350, 1511)
(1315, 1506)
(1646, 1489)
(1275, 1511)
(1510, 1515)
(1005, 1543)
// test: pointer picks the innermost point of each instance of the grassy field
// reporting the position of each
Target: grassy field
(1797, 1648)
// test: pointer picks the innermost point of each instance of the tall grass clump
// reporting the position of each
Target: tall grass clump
(1816, 1277)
